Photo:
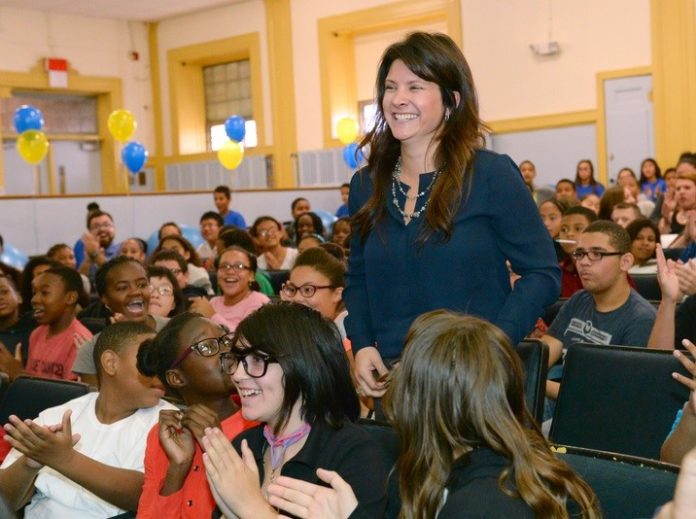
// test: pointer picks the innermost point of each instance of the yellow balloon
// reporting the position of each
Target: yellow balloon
(347, 130)
(32, 146)
(121, 125)
(231, 154)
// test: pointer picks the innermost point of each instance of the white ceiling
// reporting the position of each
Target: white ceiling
(140, 10)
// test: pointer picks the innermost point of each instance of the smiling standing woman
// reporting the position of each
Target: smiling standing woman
(436, 215)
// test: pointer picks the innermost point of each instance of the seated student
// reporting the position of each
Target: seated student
(317, 281)
(210, 225)
(168, 229)
(469, 447)
(341, 231)
(197, 275)
(63, 254)
(574, 221)
(176, 264)
(222, 197)
(84, 458)
(273, 255)
(166, 298)
(309, 241)
(134, 248)
(342, 211)
(308, 223)
(608, 310)
(585, 182)
(624, 213)
(236, 279)
(15, 329)
(591, 201)
(565, 191)
(238, 237)
(185, 356)
(124, 292)
(52, 345)
(35, 266)
(292, 375)
(645, 236)
(97, 244)
(551, 212)
(299, 206)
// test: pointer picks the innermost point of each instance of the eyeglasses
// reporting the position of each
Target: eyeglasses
(97, 226)
(255, 364)
(265, 233)
(236, 267)
(592, 254)
(305, 290)
(162, 290)
(205, 348)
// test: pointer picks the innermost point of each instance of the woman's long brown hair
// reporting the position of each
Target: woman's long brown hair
(435, 58)
(459, 386)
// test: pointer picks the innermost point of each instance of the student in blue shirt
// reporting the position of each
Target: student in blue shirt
(585, 182)
(651, 182)
(222, 196)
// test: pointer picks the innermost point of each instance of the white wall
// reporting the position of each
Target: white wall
(32, 225)
(92, 46)
(594, 35)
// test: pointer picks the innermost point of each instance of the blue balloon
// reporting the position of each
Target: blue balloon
(27, 117)
(192, 234)
(134, 156)
(234, 128)
(352, 155)
(12, 257)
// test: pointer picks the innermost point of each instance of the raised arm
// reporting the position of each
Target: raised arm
(683, 438)
(662, 335)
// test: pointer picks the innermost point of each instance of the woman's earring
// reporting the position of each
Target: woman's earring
(447, 115)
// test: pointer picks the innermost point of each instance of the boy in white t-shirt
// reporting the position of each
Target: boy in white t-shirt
(85, 458)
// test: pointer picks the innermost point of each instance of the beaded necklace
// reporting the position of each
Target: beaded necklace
(396, 183)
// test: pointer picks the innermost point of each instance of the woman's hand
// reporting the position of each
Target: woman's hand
(368, 360)
(310, 501)
(176, 440)
(202, 306)
(234, 480)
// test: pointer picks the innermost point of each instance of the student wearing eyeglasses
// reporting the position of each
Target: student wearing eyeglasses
(236, 269)
(186, 357)
(292, 376)
(267, 233)
(607, 310)
(166, 298)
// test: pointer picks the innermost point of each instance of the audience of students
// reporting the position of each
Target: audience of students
(186, 357)
(197, 361)
(85, 458)
(292, 375)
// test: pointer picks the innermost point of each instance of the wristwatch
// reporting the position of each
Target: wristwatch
(93, 255)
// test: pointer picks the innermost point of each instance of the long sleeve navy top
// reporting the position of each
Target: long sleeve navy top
(392, 279)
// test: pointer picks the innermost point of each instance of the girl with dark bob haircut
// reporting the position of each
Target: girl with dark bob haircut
(469, 446)
(292, 376)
